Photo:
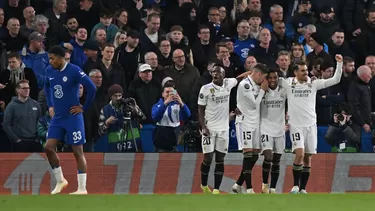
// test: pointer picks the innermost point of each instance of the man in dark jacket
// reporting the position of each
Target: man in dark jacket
(146, 91)
(359, 96)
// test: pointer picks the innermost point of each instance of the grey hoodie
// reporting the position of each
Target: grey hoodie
(21, 119)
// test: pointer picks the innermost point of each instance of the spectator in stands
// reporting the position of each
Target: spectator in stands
(15, 72)
(189, 21)
(151, 37)
(120, 19)
(316, 67)
(327, 23)
(120, 38)
(14, 9)
(185, 75)
(340, 135)
(91, 116)
(359, 96)
(164, 54)
(202, 49)
(3, 30)
(353, 16)
(67, 56)
(226, 21)
(329, 98)
(250, 62)
(21, 118)
(235, 66)
(29, 15)
(112, 124)
(41, 25)
(179, 41)
(279, 36)
(283, 61)
(100, 38)
(366, 37)
(111, 70)
(91, 50)
(255, 19)
(87, 15)
(157, 71)
(145, 90)
(297, 53)
(243, 44)
(338, 44)
(216, 31)
(168, 113)
(266, 51)
(35, 57)
(129, 55)
(347, 74)
(56, 20)
(69, 30)
(305, 39)
(76, 47)
(277, 14)
(252, 6)
(302, 17)
(316, 43)
(13, 39)
(106, 24)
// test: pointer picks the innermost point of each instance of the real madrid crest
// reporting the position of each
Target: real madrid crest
(212, 90)
(65, 79)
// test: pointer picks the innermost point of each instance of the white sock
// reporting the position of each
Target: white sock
(57, 172)
(82, 181)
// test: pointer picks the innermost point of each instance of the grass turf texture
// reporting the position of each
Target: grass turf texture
(227, 202)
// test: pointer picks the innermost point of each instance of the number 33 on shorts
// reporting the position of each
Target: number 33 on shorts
(77, 137)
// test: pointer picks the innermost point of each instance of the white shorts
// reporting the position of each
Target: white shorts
(276, 144)
(304, 138)
(247, 138)
(218, 140)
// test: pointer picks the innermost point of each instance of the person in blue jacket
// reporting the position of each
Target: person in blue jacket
(168, 113)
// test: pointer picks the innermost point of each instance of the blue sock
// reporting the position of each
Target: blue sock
(54, 167)
(80, 172)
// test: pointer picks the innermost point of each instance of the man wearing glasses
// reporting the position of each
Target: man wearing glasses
(21, 119)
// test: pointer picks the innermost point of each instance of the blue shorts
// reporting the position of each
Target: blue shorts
(72, 126)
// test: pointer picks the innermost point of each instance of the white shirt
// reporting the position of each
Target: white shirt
(272, 112)
(249, 96)
(302, 97)
(216, 100)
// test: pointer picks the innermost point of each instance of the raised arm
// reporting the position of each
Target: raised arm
(324, 83)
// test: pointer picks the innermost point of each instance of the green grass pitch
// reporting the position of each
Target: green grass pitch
(225, 202)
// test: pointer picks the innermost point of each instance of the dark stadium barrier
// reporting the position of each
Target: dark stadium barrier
(176, 173)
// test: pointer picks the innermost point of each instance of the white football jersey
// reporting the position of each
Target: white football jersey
(272, 112)
(216, 100)
(302, 97)
(249, 96)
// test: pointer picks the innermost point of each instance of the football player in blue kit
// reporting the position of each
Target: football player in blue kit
(61, 88)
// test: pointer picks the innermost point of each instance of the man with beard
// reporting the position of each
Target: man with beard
(301, 94)
(213, 113)
(366, 38)
(71, 26)
(75, 45)
(327, 23)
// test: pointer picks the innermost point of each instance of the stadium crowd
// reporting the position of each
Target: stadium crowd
(143, 50)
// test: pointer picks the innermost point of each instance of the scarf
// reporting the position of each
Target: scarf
(17, 74)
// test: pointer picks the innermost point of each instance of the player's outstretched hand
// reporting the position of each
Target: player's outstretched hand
(339, 58)
(76, 110)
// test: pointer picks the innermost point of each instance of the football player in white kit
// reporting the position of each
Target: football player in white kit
(272, 130)
(301, 94)
(249, 95)
(213, 113)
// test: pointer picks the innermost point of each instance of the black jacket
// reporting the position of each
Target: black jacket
(146, 95)
(359, 96)
(114, 75)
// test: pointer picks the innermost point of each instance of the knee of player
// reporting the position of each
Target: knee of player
(219, 157)
(307, 160)
(267, 156)
(207, 158)
(276, 158)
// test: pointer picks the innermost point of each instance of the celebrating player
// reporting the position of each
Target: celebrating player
(272, 129)
(249, 95)
(213, 112)
(61, 87)
(301, 94)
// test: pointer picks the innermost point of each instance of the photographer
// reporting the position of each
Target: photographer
(341, 135)
(167, 113)
(115, 123)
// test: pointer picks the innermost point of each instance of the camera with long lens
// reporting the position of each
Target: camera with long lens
(127, 103)
(340, 117)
